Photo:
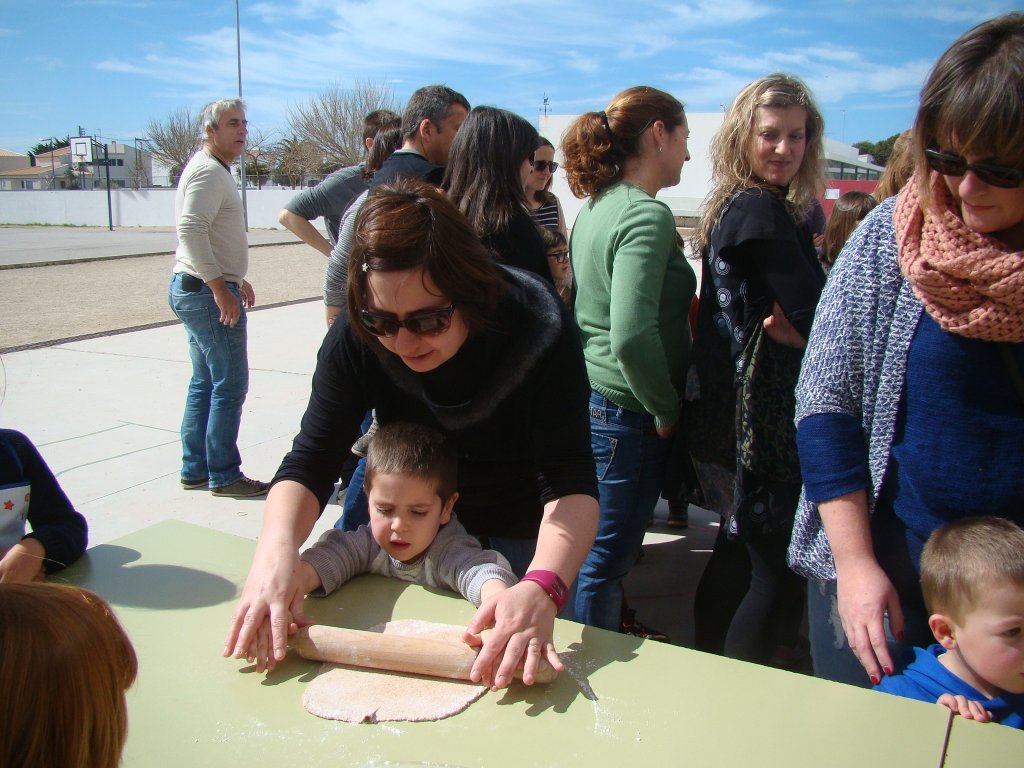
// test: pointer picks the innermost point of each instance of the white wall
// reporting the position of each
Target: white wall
(684, 199)
(130, 207)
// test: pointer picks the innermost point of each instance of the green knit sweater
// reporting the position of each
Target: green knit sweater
(633, 300)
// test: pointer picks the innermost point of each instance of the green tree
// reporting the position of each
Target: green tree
(879, 150)
(46, 146)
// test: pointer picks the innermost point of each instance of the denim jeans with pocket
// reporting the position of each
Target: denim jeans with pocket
(220, 382)
(630, 459)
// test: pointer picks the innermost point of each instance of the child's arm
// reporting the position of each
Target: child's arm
(336, 558)
(966, 708)
(492, 587)
(308, 577)
(463, 566)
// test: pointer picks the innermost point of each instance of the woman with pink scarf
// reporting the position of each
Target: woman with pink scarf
(910, 406)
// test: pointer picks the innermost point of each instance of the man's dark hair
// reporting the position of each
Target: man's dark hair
(431, 102)
(376, 120)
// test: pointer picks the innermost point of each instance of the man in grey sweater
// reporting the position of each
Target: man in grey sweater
(209, 294)
(332, 196)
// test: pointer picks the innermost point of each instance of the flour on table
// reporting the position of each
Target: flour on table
(359, 695)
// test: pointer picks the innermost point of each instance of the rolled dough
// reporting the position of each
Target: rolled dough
(359, 695)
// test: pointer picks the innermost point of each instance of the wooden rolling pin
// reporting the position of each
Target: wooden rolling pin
(416, 655)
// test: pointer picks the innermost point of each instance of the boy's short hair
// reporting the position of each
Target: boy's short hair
(552, 238)
(403, 448)
(961, 559)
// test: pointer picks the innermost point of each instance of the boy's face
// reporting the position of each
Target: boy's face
(406, 513)
(986, 650)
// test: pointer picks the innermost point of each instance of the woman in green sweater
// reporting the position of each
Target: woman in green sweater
(633, 299)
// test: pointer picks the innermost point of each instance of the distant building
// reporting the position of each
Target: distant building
(130, 167)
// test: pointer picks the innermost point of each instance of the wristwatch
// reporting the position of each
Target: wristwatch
(552, 584)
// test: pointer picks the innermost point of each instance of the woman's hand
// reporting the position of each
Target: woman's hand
(524, 618)
(865, 595)
(270, 608)
(865, 592)
(781, 331)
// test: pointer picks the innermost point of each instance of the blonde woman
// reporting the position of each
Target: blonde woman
(760, 274)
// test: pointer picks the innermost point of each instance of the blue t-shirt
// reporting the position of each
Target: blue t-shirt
(926, 679)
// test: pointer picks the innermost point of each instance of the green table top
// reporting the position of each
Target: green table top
(623, 701)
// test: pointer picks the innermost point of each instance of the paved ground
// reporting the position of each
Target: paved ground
(41, 305)
(105, 409)
(44, 245)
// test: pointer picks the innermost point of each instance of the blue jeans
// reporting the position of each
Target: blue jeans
(355, 509)
(220, 382)
(630, 459)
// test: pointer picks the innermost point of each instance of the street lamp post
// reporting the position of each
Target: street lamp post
(238, 48)
(53, 171)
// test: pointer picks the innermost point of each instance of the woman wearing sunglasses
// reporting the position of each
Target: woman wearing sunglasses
(490, 158)
(544, 206)
(437, 333)
(910, 405)
(632, 307)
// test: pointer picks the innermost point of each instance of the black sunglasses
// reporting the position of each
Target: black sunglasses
(540, 165)
(953, 165)
(560, 256)
(428, 323)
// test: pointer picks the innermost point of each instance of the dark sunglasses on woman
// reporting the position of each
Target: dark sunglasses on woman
(540, 165)
(560, 256)
(427, 323)
(953, 165)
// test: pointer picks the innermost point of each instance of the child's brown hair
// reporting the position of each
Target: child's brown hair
(961, 559)
(404, 448)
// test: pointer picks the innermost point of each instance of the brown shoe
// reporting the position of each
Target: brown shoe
(242, 488)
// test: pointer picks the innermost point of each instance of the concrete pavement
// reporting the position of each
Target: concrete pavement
(25, 245)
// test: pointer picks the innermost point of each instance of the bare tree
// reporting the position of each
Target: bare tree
(175, 139)
(333, 120)
(259, 154)
(296, 159)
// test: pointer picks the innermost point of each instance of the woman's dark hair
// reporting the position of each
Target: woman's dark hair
(386, 141)
(544, 196)
(595, 146)
(484, 172)
(973, 100)
(850, 208)
(412, 225)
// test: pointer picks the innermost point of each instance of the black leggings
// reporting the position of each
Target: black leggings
(772, 608)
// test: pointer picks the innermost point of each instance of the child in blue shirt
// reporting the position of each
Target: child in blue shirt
(413, 535)
(972, 579)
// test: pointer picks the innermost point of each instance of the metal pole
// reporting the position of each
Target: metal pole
(238, 48)
(110, 209)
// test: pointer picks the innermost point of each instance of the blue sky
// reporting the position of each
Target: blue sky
(112, 65)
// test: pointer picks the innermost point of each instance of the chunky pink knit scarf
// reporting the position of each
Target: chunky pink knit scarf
(969, 282)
